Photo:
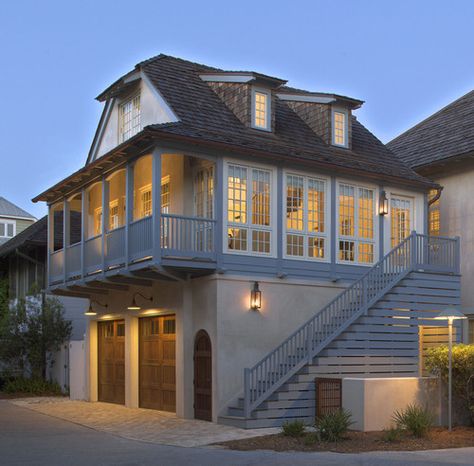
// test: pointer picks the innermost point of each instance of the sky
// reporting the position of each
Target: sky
(405, 59)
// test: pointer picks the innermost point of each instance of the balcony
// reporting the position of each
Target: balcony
(135, 235)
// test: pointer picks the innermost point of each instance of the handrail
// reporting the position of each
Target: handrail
(185, 217)
(414, 253)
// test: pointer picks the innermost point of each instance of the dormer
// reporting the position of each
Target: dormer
(250, 96)
(328, 115)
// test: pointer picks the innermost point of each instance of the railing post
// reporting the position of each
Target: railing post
(105, 218)
(457, 254)
(309, 340)
(65, 237)
(413, 250)
(84, 213)
(156, 204)
(246, 392)
(128, 210)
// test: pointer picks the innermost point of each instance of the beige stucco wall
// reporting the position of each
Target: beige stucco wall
(372, 402)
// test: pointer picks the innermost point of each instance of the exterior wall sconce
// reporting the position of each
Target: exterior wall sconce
(255, 298)
(134, 306)
(383, 203)
(90, 311)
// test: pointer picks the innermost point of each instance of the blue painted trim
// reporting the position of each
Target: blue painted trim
(219, 210)
(381, 228)
(128, 209)
(333, 235)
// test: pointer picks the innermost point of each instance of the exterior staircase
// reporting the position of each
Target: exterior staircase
(369, 330)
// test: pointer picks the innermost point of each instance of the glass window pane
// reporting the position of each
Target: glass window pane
(294, 245)
(237, 194)
(346, 251)
(339, 128)
(2, 229)
(316, 248)
(260, 197)
(316, 202)
(366, 213)
(261, 241)
(294, 202)
(346, 210)
(237, 239)
(260, 109)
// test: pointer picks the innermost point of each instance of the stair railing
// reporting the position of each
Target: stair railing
(416, 252)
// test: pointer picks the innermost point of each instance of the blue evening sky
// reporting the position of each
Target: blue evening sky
(406, 59)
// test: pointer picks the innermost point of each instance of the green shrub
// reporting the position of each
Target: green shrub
(293, 428)
(33, 386)
(414, 419)
(333, 426)
(392, 435)
(311, 438)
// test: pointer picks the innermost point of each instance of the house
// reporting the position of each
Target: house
(441, 147)
(13, 220)
(240, 237)
(23, 264)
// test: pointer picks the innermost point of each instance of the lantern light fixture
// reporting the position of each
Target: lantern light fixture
(255, 298)
(134, 306)
(383, 203)
(90, 311)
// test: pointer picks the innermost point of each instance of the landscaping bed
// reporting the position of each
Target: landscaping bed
(354, 442)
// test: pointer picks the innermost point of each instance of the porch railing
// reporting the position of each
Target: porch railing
(414, 253)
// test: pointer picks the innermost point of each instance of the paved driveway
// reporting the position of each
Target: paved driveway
(30, 438)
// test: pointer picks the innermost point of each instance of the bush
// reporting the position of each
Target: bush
(34, 386)
(333, 426)
(414, 419)
(463, 373)
(293, 428)
(392, 435)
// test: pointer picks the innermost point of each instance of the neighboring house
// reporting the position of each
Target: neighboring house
(13, 220)
(441, 147)
(23, 264)
(223, 211)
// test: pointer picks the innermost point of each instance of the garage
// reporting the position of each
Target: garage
(111, 361)
(157, 363)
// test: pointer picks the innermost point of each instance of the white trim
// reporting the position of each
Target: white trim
(120, 105)
(346, 126)
(8, 222)
(268, 109)
(32, 219)
(169, 111)
(227, 78)
(272, 228)
(306, 98)
(327, 217)
(356, 237)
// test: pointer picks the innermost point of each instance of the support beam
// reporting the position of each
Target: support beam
(107, 285)
(156, 203)
(72, 294)
(87, 290)
(126, 280)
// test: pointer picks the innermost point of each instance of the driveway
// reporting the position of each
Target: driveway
(28, 437)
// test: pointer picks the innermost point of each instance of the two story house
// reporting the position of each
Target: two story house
(13, 220)
(240, 237)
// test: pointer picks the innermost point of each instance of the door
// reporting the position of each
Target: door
(111, 346)
(401, 219)
(202, 376)
(157, 363)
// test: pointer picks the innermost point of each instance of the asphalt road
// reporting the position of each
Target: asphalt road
(31, 438)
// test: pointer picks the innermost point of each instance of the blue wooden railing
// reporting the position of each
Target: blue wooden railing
(417, 252)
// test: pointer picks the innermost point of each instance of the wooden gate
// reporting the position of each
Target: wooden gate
(203, 376)
(328, 396)
(157, 363)
(111, 361)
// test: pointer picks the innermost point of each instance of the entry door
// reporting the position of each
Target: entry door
(203, 377)
(157, 356)
(401, 218)
(111, 365)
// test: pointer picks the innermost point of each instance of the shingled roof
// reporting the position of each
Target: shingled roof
(445, 134)
(205, 120)
(8, 209)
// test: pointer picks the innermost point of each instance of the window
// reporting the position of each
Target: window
(145, 201)
(248, 209)
(339, 125)
(401, 219)
(7, 229)
(98, 221)
(204, 192)
(434, 214)
(356, 236)
(165, 195)
(261, 116)
(305, 217)
(114, 221)
(129, 114)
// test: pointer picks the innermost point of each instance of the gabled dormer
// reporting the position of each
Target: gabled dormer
(250, 96)
(131, 103)
(328, 115)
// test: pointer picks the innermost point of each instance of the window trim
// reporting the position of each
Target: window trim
(143, 189)
(125, 101)
(8, 222)
(356, 239)
(273, 210)
(346, 127)
(268, 116)
(327, 217)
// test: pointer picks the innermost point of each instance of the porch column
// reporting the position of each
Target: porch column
(381, 227)
(334, 221)
(83, 230)
(156, 203)
(280, 221)
(219, 213)
(105, 217)
(131, 361)
(128, 210)
(50, 247)
(66, 226)
(92, 391)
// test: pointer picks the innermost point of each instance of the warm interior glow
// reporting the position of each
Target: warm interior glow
(255, 298)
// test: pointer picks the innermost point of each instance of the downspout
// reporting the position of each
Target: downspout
(435, 197)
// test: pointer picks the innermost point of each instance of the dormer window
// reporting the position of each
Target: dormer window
(261, 111)
(129, 115)
(339, 125)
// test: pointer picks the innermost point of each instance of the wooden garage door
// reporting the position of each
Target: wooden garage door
(158, 363)
(112, 361)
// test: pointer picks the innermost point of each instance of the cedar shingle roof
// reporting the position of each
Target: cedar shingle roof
(445, 134)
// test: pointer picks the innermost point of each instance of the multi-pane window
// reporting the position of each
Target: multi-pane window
(434, 214)
(261, 109)
(165, 195)
(145, 201)
(339, 128)
(305, 217)
(248, 209)
(98, 221)
(114, 220)
(401, 219)
(356, 233)
(7, 229)
(129, 114)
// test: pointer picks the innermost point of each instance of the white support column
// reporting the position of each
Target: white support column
(128, 209)
(83, 230)
(50, 247)
(92, 387)
(105, 218)
(131, 362)
(156, 204)
(66, 226)
(219, 188)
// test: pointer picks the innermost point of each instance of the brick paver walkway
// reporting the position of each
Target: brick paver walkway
(138, 424)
